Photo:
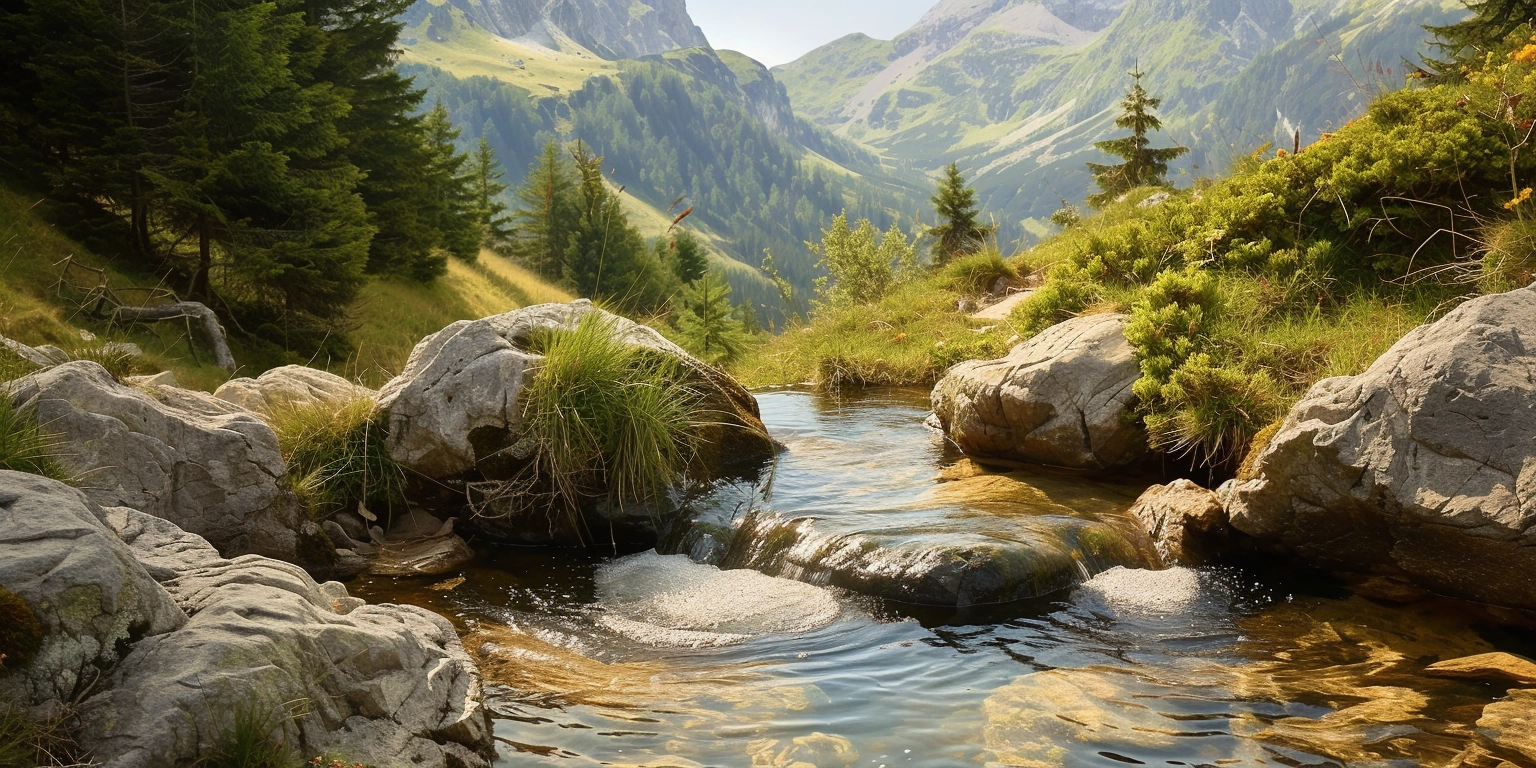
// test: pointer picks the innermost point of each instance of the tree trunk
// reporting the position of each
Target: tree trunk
(200, 288)
(205, 317)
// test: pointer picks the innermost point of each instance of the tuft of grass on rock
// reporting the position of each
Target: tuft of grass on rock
(255, 737)
(604, 419)
(337, 458)
(118, 361)
(26, 446)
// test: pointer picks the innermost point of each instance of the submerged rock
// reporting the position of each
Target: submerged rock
(931, 558)
(1186, 522)
(1421, 467)
(1508, 728)
(88, 593)
(383, 684)
(208, 466)
(1487, 666)
(455, 414)
(291, 386)
(1062, 398)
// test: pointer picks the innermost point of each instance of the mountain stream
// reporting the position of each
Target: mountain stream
(828, 620)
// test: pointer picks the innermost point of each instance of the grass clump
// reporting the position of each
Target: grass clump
(976, 273)
(28, 742)
(605, 420)
(254, 737)
(26, 446)
(337, 458)
(118, 360)
(13, 366)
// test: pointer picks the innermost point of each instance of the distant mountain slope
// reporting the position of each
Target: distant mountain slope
(1018, 91)
(613, 29)
(713, 128)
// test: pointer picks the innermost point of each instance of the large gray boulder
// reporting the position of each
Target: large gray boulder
(291, 386)
(1062, 398)
(454, 414)
(208, 466)
(87, 592)
(381, 684)
(1422, 467)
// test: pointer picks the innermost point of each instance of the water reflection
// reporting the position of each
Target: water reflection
(593, 664)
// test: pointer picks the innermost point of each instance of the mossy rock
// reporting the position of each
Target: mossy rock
(21, 634)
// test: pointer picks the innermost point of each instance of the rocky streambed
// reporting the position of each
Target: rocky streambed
(891, 589)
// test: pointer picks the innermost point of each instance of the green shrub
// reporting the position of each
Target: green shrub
(862, 264)
(1171, 322)
(337, 457)
(1212, 412)
(26, 446)
(602, 418)
(1065, 296)
(977, 272)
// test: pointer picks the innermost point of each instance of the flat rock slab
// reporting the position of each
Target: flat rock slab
(1488, 666)
(1004, 308)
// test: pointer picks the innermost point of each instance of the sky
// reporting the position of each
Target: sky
(779, 31)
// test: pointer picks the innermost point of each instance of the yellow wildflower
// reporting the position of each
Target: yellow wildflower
(1525, 194)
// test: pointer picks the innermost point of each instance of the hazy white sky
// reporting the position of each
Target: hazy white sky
(780, 31)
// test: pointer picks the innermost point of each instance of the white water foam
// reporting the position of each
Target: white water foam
(1147, 593)
(671, 601)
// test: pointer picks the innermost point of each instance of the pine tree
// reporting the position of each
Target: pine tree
(689, 260)
(1143, 166)
(607, 257)
(453, 185)
(546, 214)
(710, 327)
(959, 232)
(485, 181)
(1491, 22)
(259, 177)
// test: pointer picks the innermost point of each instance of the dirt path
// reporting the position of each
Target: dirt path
(1002, 309)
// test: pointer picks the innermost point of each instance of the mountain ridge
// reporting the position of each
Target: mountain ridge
(1018, 91)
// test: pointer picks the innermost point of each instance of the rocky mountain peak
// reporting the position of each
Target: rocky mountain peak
(613, 29)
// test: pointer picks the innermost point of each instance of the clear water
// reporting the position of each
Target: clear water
(661, 661)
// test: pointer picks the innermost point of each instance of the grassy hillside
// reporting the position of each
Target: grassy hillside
(1243, 292)
(388, 319)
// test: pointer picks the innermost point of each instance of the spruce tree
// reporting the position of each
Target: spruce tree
(546, 214)
(689, 260)
(1143, 166)
(452, 181)
(485, 181)
(710, 327)
(1491, 22)
(607, 258)
(959, 231)
(259, 176)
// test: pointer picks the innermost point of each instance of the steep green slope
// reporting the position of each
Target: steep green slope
(714, 129)
(1018, 94)
(387, 320)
